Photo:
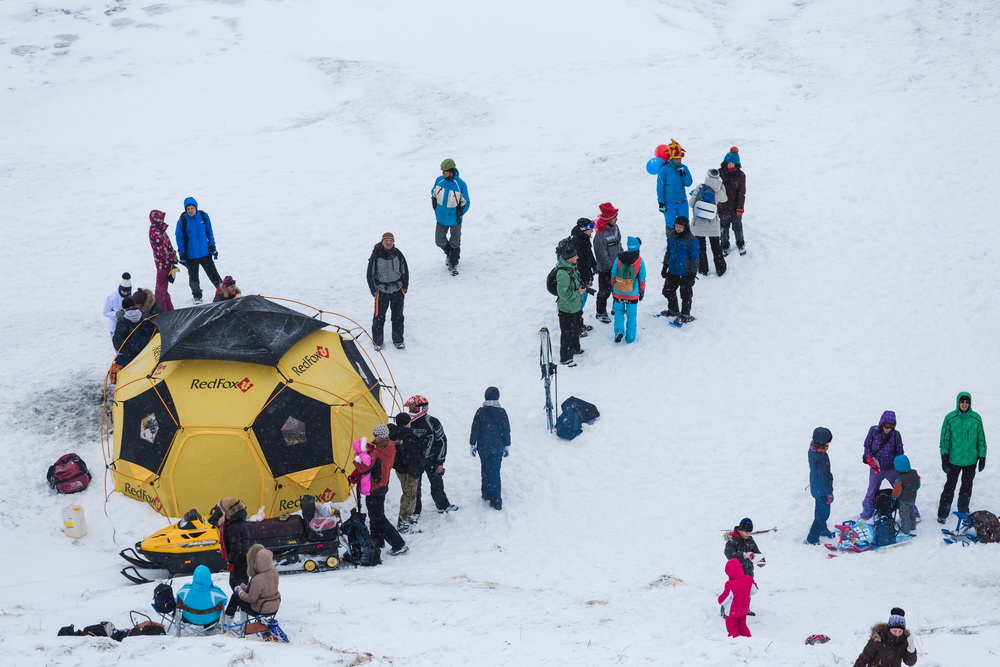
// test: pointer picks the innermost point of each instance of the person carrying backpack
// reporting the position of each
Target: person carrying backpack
(680, 269)
(409, 466)
(581, 234)
(490, 439)
(731, 210)
(569, 301)
(383, 455)
(628, 280)
(607, 245)
(196, 246)
(388, 280)
(963, 447)
(672, 181)
(904, 489)
(705, 220)
(430, 433)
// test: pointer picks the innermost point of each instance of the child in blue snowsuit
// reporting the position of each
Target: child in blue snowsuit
(905, 489)
(820, 484)
(628, 280)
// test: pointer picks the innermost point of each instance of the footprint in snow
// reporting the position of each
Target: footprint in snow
(153, 10)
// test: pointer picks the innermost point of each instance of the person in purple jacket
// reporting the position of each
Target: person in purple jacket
(883, 444)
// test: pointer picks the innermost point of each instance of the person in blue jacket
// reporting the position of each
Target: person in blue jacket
(490, 439)
(680, 269)
(201, 601)
(820, 484)
(450, 200)
(628, 287)
(196, 246)
(672, 182)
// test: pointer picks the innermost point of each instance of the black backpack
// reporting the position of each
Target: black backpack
(885, 532)
(550, 282)
(164, 601)
(361, 548)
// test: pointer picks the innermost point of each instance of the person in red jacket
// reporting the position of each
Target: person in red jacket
(737, 594)
(164, 257)
(383, 453)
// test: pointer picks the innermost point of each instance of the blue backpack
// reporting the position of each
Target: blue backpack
(361, 548)
(706, 194)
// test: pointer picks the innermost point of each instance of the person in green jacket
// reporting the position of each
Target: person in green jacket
(963, 446)
(569, 301)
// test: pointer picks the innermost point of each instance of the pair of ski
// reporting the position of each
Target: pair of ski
(678, 321)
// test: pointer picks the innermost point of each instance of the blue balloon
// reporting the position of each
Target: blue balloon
(654, 164)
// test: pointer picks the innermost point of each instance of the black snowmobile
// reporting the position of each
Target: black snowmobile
(193, 541)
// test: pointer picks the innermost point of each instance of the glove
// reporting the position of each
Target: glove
(472, 450)
(910, 646)
(183, 259)
(172, 273)
(944, 463)
(663, 207)
(680, 171)
(739, 211)
(829, 499)
(873, 463)
(748, 555)
(434, 203)
(663, 271)
(357, 459)
(982, 463)
(213, 252)
(641, 294)
(242, 588)
(506, 452)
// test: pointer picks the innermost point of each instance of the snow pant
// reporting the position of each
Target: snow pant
(210, 271)
(736, 222)
(436, 480)
(737, 626)
(874, 482)
(452, 246)
(383, 302)
(964, 492)
(489, 463)
(603, 291)
(625, 319)
(382, 529)
(570, 325)
(407, 501)
(162, 295)
(717, 258)
(235, 579)
(907, 521)
(686, 284)
(672, 212)
(250, 611)
(820, 515)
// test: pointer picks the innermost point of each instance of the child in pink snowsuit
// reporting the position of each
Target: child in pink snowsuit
(363, 457)
(737, 594)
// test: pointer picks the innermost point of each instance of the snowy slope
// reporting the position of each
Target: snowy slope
(306, 129)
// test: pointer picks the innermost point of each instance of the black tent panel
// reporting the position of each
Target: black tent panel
(358, 361)
(294, 432)
(250, 329)
(148, 427)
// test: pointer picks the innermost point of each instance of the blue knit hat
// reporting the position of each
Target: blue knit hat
(897, 618)
(901, 463)
(733, 155)
(634, 243)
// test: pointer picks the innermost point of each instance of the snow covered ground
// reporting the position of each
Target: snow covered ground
(868, 133)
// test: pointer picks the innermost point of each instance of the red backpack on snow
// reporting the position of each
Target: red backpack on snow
(69, 474)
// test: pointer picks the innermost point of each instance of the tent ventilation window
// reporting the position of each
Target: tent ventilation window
(148, 428)
(293, 431)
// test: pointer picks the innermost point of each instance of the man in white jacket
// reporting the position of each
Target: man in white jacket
(113, 303)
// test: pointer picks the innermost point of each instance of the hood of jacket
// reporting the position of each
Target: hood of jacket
(202, 579)
(628, 256)
(888, 417)
(959, 398)
(158, 219)
(578, 235)
(190, 201)
(714, 180)
(880, 633)
(259, 560)
(380, 251)
(734, 568)
(564, 264)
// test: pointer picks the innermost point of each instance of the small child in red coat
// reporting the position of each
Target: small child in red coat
(737, 594)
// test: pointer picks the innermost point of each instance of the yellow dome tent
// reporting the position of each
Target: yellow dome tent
(243, 398)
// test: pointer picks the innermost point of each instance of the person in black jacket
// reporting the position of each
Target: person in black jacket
(490, 438)
(409, 466)
(234, 542)
(587, 264)
(743, 548)
(430, 434)
(388, 280)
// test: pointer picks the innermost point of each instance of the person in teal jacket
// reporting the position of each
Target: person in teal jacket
(628, 286)
(672, 182)
(201, 595)
(963, 447)
(450, 200)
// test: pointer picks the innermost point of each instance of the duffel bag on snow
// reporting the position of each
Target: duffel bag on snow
(69, 474)
(987, 526)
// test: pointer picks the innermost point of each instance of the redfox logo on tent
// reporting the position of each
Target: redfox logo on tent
(244, 385)
(327, 496)
(323, 351)
(310, 359)
(159, 369)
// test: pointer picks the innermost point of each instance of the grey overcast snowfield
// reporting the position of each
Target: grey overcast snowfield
(869, 135)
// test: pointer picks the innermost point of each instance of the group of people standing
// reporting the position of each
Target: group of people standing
(594, 249)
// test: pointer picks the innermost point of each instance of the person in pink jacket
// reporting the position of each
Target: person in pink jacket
(164, 256)
(363, 457)
(736, 595)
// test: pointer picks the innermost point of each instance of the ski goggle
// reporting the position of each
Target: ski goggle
(888, 426)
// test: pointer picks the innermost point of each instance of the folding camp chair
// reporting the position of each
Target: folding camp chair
(264, 626)
(182, 626)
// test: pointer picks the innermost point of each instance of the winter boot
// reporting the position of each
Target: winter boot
(604, 317)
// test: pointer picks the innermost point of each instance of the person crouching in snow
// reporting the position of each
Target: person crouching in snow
(261, 596)
(735, 599)
(227, 291)
(890, 645)
(628, 286)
